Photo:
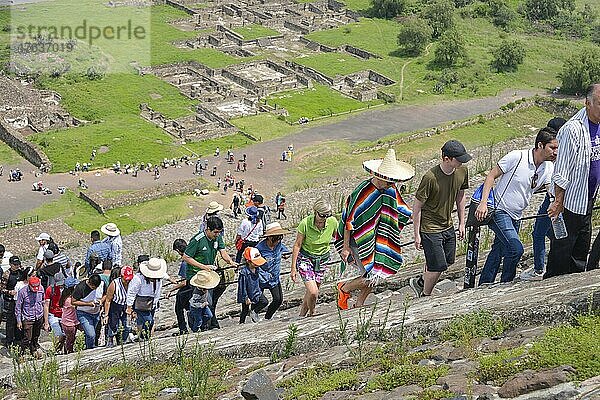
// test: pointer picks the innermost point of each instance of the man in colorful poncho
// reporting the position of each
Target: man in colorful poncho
(368, 235)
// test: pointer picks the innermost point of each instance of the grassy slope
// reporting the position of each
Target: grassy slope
(82, 217)
(321, 162)
(8, 156)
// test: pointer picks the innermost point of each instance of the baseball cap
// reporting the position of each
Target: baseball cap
(71, 282)
(43, 236)
(127, 273)
(14, 260)
(455, 149)
(34, 283)
(48, 254)
(253, 255)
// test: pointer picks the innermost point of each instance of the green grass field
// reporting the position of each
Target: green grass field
(319, 164)
(8, 156)
(80, 216)
(316, 102)
(255, 31)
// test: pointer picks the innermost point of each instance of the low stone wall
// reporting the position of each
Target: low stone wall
(30, 151)
(311, 73)
(360, 53)
(103, 204)
(180, 7)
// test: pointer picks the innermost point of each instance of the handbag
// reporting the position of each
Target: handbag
(475, 201)
(491, 202)
(143, 303)
(239, 243)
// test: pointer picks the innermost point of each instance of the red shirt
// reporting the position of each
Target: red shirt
(54, 297)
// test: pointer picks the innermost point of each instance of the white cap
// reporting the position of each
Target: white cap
(43, 236)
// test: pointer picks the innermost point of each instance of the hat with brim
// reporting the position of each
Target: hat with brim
(389, 169)
(154, 268)
(43, 236)
(214, 207)
(110, 229)
(205, 279)
(275, 229)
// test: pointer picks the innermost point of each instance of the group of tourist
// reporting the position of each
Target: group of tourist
(103, 297)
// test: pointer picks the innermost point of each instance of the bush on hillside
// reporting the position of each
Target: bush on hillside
(450, 49)
(440, 14)
(542, 10)
(580, 71)
(414, 35)
(388, 9)
(508, 55)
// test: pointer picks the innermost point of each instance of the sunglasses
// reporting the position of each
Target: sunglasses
(326, 215)
(534, 180)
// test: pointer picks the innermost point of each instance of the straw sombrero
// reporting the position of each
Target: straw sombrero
(389, 169)
(155, 268)
(214, 207)
(274, 229)
(110, 229)
(205, 279)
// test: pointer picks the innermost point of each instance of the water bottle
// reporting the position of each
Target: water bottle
(559, 228)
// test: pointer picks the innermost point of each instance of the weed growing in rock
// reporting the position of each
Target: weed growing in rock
(200, 374)
(478, 324)
(435, 394)
(37, 381)
(576, 345)
(290, 345)
(407, 374)
(312, 383)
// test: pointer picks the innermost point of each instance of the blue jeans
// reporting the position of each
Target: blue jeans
(199, 317)
(88, 324)
(117, 317)
(145, 322)
(506, 245)
(541, 230)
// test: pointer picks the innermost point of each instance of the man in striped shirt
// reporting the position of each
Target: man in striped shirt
(576, 179)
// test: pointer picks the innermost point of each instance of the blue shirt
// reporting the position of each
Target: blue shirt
(248, 286)
(102, 249)
(594, 176)
(182, 270)
(269, 272)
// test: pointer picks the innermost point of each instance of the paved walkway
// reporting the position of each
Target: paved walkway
(17, 197)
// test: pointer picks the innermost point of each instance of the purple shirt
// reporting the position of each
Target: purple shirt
(594, 176)
(29, 305)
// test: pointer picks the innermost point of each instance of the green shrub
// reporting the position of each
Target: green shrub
(440, 14)
(407, 374)
(508, 55)
(498, 367)
(414, 35)
(477, 324)
(312, 383)
(580, 71)
(450, 49)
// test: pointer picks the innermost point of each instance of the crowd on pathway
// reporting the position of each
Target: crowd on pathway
(108, 300)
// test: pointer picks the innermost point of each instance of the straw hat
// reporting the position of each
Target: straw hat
(389, 169)
(205, 279)
(154, 268)
(110, 229)
(214, 207)
(274, 229)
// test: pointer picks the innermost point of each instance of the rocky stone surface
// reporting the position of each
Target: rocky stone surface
(529, 381)
(259, 387)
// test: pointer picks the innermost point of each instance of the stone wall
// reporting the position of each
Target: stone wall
(180, 7)
(311, 73)
(30, 151)
(295, 27)
(380, 79)
(364, 54)
(103, 204)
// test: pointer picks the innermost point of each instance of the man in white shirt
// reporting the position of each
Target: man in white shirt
(521, 173)
(43, 239)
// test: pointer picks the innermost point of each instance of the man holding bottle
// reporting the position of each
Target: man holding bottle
(576, 179)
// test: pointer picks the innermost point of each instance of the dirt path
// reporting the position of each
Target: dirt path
(16, 197)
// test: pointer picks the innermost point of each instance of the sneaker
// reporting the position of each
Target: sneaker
(342, 297)
(254, 316)
(416, 285)
(531, 275)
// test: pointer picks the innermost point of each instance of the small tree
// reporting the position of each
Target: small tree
(388, 9)
(580, 71)
(596, 33)
(450, 49)
(508, 56)
(502, 15)
(414, 35)
(541, 10)
(440, 14)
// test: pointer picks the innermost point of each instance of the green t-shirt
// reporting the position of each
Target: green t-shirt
(203, 250)
(437, 192)
(317, 241)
